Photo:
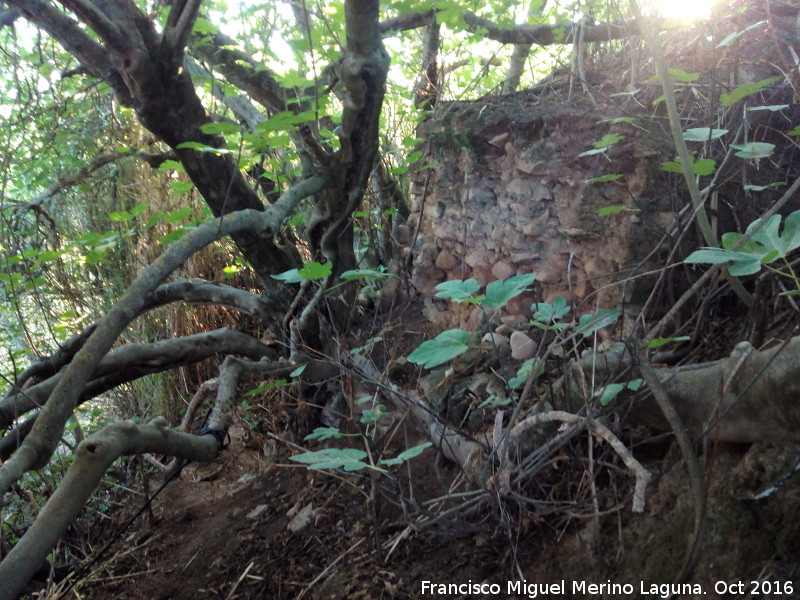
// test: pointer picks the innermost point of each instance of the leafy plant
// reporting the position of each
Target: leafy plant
(765, 245)
(444, 347)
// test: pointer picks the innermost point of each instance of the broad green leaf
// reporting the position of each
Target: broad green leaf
(178, 215)
(203, 27)
(373, 415)
(313, 270)
(407, 454)
(754, 150)
(120, 216)
(612, 390)
(457, 290)
(745, 90)
(324, 433)
(794, 131)
(444, 347)
(704, 166)
(181, 187)
(608, 140)
(498, 293)
(414, 157)
(703, 134)
(223, 127)
(350, 459)
(171, 165)
(590, 323)
(298, 371)
(290, 276)
(545, 312)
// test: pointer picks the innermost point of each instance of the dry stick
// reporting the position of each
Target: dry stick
(696, 476)
(643, 476)
(680, 144)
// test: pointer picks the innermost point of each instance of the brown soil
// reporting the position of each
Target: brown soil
(225, 531)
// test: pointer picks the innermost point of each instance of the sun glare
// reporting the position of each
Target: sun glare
(684, 10)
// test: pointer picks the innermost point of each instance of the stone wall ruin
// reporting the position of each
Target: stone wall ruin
(509, 194)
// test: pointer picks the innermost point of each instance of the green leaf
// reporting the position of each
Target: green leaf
(612, 390)
(407, 454)
(794, 131)
(170, 165)
(603, 178)
(350, 459)
(745, 90)
(703, 134)
(732, 37)
(181, 187)
(121, 216)
(608, 140)
(498, 293)
(313, 270)
(658, 342)
(178, 215)
(681, 76)
(223, 127)
(544, 312)
(290, 276)
(457, 290)
(270, 385)
(201, 148)
(324, 433)
(610, 210)
(298, 371)
(204, 27)
(761, 188)
(414, 157)
(444, 347)
(589, 323)
(753, 150)
(704, 166)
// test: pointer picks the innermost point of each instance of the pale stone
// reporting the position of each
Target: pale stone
(495, 339)
(502, 270)
(446, 261)
(522, 347)
(403, 234)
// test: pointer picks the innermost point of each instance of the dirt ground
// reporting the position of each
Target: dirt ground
(254, 525)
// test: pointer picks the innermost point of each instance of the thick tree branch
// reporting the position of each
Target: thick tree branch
(132, 361)
(37, 449)
(93, 456)
(76, 42)
(241, 70)
(180, 21)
